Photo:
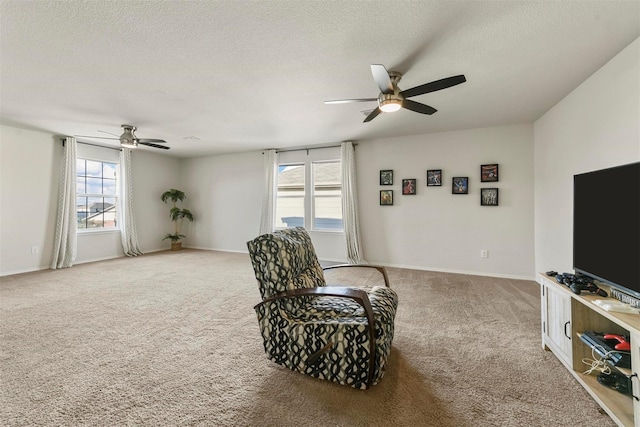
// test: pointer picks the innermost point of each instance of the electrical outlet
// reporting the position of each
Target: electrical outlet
(34, 250)
(484, 253)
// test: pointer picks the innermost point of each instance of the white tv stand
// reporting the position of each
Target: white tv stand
(564, 316)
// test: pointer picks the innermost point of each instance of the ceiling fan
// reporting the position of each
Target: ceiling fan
(391, 98)
(128, 138)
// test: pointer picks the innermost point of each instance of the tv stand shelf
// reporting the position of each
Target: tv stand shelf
(565, 315)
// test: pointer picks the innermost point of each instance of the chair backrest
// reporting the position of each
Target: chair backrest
(285, 259)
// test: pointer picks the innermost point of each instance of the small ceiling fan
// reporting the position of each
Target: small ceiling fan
(391, 98)
(128, 138)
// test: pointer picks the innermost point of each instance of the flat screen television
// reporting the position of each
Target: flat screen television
(606, 226)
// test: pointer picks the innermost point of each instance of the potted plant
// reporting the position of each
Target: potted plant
(177, 215)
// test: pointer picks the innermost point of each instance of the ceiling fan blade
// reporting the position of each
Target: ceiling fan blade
(347, 101)
(157, 141)
(95, 137)
(149, 144)
(373, 115)
(104, 131)
(418, 107)
(434, 86)
(381, 76)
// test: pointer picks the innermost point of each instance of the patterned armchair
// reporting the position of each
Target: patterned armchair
(335, 333)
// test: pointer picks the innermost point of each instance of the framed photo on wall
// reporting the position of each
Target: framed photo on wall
(386, 177)
(386, 197)
(489, 197)
(409, 186)
(460, 185)
(434, 177)
(489, 173)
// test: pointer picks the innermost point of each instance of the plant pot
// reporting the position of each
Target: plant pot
(176, 246)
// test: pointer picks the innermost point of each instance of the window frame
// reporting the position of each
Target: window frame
(116, 195)
(313, 196)
(308, 159)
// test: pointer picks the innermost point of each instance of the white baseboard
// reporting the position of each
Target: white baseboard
(404, 266)
(445, 270)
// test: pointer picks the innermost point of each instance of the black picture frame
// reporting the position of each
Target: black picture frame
(409, 187)
(386, 177)
(386, 197)
(460, 185)
(489, 196)
(489, 173)
(434, 177)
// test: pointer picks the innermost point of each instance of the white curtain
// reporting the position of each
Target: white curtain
(268, 197)
(350, 203)
(126, 218)
(64, 250)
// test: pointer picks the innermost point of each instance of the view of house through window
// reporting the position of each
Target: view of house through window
(96, 194)
(327, 196)
(290, 197)
(309, 195)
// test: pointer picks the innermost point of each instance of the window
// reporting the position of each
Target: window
(309, 194)
(96, 194)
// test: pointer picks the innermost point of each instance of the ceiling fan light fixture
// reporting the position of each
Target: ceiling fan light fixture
(390, 105)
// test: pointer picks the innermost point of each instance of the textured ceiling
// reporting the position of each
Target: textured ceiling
(215, 77)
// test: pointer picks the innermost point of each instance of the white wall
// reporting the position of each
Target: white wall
(437, 230)
(431, 230)
(28, 201)
(594, 127)
(29, 173)
(153, 174)
(225, 196)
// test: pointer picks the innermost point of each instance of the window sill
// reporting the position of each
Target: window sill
(327, 231)
(89, 231)
(330, 232)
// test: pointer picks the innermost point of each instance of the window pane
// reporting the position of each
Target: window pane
(109, 170)
(81, 187)
(290, 197)
(96, 178)
(94, 212)
(80, 167)
(109, 212)
(94, 185)
(327, 196)
(109, 187)
(328, 212)
(94, 168)
(81, 211)
(326, 174)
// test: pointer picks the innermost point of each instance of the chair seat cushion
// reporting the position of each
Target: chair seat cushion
(344, 309)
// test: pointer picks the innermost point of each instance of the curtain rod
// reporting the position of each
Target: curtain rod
(310, 148)
(306, 149)
(93, 145)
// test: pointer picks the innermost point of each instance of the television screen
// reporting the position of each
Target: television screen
(606, 226)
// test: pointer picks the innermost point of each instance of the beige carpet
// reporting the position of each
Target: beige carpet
(171, 339)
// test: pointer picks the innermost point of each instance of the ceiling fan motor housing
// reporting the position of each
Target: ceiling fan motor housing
(127, 138)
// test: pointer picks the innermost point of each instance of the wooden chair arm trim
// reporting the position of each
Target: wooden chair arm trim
(380, 268)
(358, 295)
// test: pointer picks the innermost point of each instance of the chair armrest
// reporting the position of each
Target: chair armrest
(380, 268)
(358, 295)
